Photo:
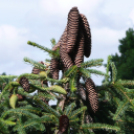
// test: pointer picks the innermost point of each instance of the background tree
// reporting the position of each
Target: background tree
(125, 61)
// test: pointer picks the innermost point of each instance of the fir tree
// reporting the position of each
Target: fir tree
(82, 107)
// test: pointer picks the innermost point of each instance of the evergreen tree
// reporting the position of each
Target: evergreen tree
(124, 62)
(82, 107)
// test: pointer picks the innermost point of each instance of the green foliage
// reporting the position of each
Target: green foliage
(31, 113)
(124, 61)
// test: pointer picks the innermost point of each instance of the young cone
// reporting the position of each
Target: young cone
(92, 94)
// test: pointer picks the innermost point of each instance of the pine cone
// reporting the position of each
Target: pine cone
(72, 28)
(54, 68)
(87, 35)
(66, 59)
(92, 94)
(79, 57)
(63, 124)
(24, 83)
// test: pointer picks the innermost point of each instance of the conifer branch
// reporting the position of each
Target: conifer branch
(39, 46)
(97, 62)
(99, 126)
(34, 63)
(120, 110)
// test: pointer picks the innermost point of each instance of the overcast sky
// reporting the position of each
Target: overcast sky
(41, 20)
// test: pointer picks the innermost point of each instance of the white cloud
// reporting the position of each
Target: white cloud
(12, 42)
(13, 46)
(131, 16)
(106, 36)
(61, 7)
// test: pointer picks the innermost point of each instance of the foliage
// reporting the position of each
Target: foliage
(124, 61)
(33, 114)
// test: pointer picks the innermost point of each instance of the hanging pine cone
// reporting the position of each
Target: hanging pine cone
(87, 35)
(81, 92)
(63, 124)
(24, 83)
(72, 28)
(66, 59)
(36, 70)
(54, 68)
(79, 57)
(92, 94)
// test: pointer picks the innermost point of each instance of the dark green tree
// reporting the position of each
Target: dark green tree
(124, 62)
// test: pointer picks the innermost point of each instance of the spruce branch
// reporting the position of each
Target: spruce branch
(34, 63)
(99, 126)
(39, 46)
(91, 63)
(121, 110)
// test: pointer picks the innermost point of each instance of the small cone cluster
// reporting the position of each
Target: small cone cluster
(92, 94)
(63, 124)
(75, 41)
(24, 83)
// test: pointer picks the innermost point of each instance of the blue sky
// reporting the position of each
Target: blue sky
(41, 20)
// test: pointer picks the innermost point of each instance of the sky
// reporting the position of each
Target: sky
(41, 20)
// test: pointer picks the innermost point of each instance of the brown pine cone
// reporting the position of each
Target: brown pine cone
(92, 94)
(79, 57)
(54, 68)
(24, 83)
(87, 35)
(63, 124)
(72, 28)
(65, 57)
